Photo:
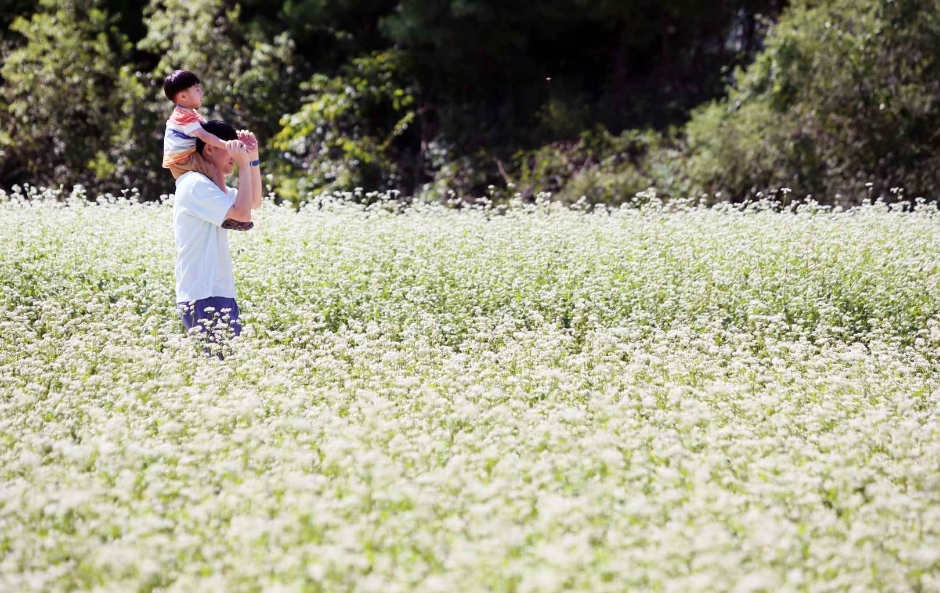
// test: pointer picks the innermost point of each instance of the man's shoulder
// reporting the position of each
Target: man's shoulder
(191, 179)
(194, 182)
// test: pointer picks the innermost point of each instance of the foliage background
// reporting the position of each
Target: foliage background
(585, 99)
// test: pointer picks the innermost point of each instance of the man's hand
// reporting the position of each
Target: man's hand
(240, 154)
(251, 143)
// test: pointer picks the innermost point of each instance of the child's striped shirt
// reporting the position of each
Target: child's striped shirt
(178, 142)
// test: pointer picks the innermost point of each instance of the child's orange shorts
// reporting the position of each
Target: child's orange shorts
(194, 162)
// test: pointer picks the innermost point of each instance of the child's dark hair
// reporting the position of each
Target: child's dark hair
(177, 82)
(222, 130)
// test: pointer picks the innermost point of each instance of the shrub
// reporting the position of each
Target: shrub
(66, 95)
(351, 131)
(844, 94)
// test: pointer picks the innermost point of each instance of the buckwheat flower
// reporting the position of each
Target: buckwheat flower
(422, 385)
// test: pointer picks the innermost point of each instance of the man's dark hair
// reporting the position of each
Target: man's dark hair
(221, 129)
(178, 81)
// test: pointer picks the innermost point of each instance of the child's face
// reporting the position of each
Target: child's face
(191, 98)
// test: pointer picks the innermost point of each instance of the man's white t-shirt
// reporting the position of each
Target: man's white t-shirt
(203, 261)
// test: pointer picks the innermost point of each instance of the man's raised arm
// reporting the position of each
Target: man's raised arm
(257, 187)
(241, 209)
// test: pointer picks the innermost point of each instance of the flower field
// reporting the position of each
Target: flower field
(541, 399)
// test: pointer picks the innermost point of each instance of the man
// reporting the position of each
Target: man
(205, 285)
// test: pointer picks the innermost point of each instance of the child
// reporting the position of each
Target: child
(182, 129)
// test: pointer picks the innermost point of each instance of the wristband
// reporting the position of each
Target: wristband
(255, 163)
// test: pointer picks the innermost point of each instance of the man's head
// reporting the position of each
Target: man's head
(220, 158)
(183, 88)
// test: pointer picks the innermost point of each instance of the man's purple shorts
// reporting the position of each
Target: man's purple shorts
(225, 311)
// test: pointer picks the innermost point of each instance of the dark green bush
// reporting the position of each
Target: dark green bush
(66, 94)
(348, 132)
(845, 94)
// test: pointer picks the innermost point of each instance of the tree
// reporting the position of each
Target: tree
(845, 94)
(327, 33)
(66, 95)
(249, 80)
(357, 129)
(519, 74)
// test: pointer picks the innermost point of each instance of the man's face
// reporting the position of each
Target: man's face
(220, 158)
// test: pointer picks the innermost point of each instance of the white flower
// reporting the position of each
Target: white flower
(660, 396)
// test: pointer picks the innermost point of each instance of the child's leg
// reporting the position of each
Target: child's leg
(194, 162)
(178, 169)
(201, 165)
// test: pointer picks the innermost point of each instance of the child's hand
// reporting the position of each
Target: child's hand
(251, 142)
(248, 138)
(235, 146)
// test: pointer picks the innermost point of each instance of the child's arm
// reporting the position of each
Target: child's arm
(213, 140)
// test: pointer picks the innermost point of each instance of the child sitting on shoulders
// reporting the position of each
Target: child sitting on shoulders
(185, 126)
